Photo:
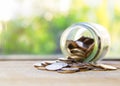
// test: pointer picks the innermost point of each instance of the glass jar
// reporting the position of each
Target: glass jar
(85, 42)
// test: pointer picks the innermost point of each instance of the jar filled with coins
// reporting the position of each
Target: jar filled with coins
(85, 42)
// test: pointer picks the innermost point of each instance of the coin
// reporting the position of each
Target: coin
(107, 67)
(77, 65)
(104, 66)
(66, 60)
(64, 67)
(80, 48)
(90, 48)
(39, 66)
(44, 63)
(77, 50)
(88, 41)
(56, 66)
(76, 58)
(81, 45)
(68, 70)
(49, 62)
(79, 54)
(97, 69)
(71, 44)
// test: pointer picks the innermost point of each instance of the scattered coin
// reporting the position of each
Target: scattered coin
(68, 70)
(66, 60)
(63, 65)
(78, 50)
(49, 62)
(97, 69)
(39, 66)
(56, 66)
(106, 67)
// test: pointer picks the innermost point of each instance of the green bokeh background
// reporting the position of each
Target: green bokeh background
(40, 34)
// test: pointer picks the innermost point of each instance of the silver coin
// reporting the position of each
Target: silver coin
(64, 59)
(38, 64)
(56, 66)
(81, 45)
(70, 69)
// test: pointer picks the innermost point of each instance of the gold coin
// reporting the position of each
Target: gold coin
(39, 66)
(68, 70)
(104, 66)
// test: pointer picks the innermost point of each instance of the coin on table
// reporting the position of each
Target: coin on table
(43, 63)
(39, 66)
(68, 70)
(97, 69)
(66, 60)
(49, 62)
(107, 67)
(56, 66)
(104, 66)
(77, 65)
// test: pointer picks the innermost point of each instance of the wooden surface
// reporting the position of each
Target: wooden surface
(22, 73)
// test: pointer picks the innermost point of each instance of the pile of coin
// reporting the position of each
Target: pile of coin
(69, 65)
(80, 48)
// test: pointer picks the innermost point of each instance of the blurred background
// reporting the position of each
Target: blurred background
(35, 26)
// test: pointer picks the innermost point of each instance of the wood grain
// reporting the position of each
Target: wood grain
(22, 73)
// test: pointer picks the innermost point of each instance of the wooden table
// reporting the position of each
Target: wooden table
(22, 73)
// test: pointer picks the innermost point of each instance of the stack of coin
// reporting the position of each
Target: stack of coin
(80, 48)
(69, 65)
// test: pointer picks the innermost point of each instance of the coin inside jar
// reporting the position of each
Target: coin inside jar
(81, 48)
